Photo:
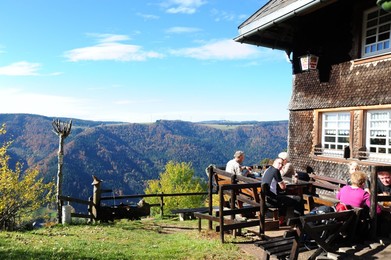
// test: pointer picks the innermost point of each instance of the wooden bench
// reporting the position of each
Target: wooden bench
(237, 195)
(326, 183)
(225, 217)
(324, 229)
(251, 196)
(188, 213)
(279, 247)
(245, 195)
(313, 201)
(320, 191)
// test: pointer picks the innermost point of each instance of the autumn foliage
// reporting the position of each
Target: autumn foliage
(21, 192)
(177, 178)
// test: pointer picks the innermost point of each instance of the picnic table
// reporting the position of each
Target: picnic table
(238, 195)
(298, 187)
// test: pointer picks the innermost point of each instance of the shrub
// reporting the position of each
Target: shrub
(21, 192)
(177, 178)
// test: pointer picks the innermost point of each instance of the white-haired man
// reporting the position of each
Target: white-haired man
(235, 165)
(287, 168)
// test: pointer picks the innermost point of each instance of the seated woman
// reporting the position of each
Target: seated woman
(354, 195)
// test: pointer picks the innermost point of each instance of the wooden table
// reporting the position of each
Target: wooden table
(385, 201)
(381, 197)
(298, 188)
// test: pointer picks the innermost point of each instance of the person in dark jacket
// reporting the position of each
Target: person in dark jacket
(276, 196)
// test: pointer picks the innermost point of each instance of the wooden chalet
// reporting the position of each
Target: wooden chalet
(340, 111)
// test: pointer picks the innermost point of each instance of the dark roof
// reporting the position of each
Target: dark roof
(268, 8)
(273, 25)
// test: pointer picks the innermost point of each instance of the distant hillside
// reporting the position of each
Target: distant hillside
(126, 155)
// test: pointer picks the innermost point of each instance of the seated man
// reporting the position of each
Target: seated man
(287, 169)
(235, 166)
(275, 197)
(383, 183)
(383, 187)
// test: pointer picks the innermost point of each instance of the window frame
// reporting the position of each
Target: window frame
(381, 125)
(386, 48)
(359, 142)
(330, 148)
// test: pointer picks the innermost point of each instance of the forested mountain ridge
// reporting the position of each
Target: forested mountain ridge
(126, 155)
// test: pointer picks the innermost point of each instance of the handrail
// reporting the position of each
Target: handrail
(161, 204)
(240, 186)
(153, 195)
(70, 199)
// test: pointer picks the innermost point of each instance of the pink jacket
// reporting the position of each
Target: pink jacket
(355, 197)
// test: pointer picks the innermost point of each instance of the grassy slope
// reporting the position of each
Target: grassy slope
(146, 239)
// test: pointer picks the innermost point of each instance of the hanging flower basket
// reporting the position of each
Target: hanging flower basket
(384, 4)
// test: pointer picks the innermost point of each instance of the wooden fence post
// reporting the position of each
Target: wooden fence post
(210, 194)
(221, 214)
(161, 205)
(372, 212)
(96, 198)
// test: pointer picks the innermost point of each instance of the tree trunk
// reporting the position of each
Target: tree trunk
(59, 178)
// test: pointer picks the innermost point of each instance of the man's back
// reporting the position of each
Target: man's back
(233, 167)
(272, 176)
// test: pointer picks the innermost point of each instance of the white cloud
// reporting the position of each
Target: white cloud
(148, 16)
(125, 110)
(109, 48)
(122, 102)
(220, 50)
(111, 37)
(220, 15)
(136, 101)
(183, 6)
(223, 15)
(16, 100)
(179, 29)
(22, 68)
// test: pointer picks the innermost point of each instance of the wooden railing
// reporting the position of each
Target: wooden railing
(94, 203)
(159, 195)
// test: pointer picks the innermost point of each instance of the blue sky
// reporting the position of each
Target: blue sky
(138, 61)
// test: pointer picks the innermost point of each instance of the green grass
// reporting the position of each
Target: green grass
(145, 239)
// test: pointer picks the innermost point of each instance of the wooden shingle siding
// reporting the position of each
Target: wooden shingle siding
(350, 85)
(300, 143)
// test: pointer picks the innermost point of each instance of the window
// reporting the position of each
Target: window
(335, 133)
(370, 140)
(379, 133)
(376, 33)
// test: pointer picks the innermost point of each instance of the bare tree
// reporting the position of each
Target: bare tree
(62, 130)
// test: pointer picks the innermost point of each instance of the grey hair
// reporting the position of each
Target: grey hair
(238, 154)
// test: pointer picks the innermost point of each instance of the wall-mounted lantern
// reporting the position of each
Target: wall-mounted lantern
(384, 4)
(309, 62)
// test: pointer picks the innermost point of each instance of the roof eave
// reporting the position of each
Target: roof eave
(283, 14)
